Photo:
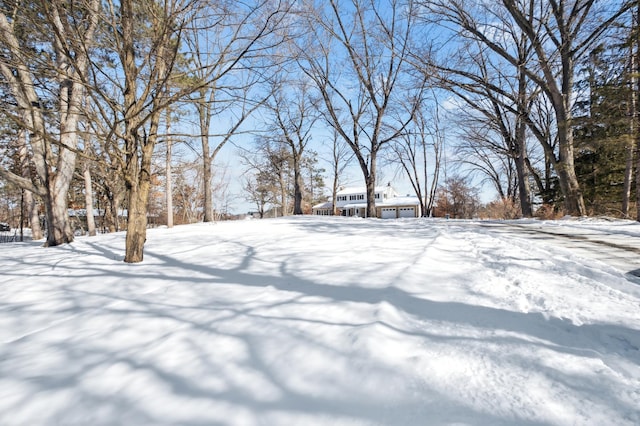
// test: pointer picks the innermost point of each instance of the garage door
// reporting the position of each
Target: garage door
(407, 212)
(388, 213)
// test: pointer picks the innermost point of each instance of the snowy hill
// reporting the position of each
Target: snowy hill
(322, 321)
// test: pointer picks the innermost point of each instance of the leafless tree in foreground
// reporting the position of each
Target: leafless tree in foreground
(68, 35)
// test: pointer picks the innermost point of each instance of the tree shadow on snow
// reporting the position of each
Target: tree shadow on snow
(202, 375)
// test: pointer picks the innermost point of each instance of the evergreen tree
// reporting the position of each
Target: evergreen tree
(602, 131)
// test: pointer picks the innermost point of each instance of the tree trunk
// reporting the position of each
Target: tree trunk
(204, 114)
(637, 145)
(636, 134)
(423, 200)
(34, 217)
(169, 183)
(136, 226)
(208, 190)
(628, 170)
(573, 200)
(28, 197)
(336, 157)
(371, 196)
(334, 197)
(139, 200)
(284, 204)
(114, 208)
(524, 189)
(628, 177)
(635, 87)
(58, 225)
(370, 181)
(298, 184)
(88, 201)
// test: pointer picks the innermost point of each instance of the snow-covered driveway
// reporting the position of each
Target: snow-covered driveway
(308, 320)
(616, 243)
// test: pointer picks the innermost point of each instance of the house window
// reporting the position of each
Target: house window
(361, 197)
(377, 196)
(352, 197)
(342, 198)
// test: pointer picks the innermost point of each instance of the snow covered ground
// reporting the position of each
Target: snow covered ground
(322, 321)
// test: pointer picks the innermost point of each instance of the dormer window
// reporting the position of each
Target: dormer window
(377, 196)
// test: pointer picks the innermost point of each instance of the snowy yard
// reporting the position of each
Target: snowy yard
(319, 321)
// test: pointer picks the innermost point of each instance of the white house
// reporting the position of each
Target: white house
(353, 202)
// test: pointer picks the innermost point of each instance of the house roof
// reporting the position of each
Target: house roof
(399, 201)
(359, 190)
(325, 205)
(389, 202)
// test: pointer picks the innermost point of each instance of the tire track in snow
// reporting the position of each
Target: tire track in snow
(600, 246)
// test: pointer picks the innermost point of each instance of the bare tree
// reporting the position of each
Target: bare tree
(270, 170)
(104, 154)
(497, 106)
(277, 169)
(457, 199)
(147, 39)
(14, 157)
(142, 42)
(559, 31)
(294, 115)
(484, 152)
(494, 137)
(357, 57)
(68, 34)
(340, 157)
(88, 198)
(313, 178)
(421, 144)
(634, 113)
(29, 198)
(168, 171)
(259, 189)
(188, 191)
(223, 45)
(165, 28)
